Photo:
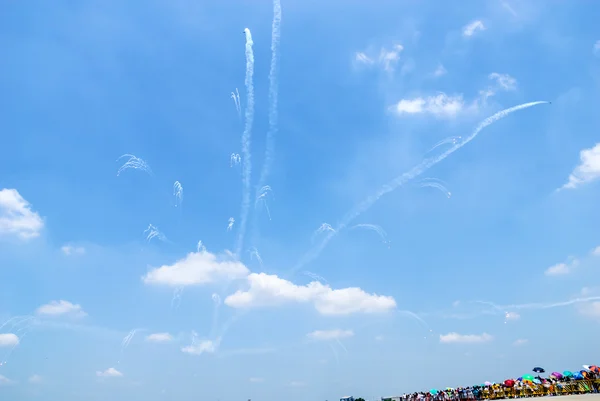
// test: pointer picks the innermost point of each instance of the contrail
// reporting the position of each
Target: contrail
(374, 227)
(404, 178)
(453, 140)
(263, 193)
(273, 95)
(246, 136)
(133, 162)
(435, 183)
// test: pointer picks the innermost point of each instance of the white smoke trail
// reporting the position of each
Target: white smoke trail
(264, 192)
(230, 223)
(254, 254)
(135, 163)
(125, 342)
(435, 183)
(404, 178)
(176, 300)
(236, 101)
(273, 94)
(342, 346)
(153, 232)
(453, 140)
(246, 137)
(382, 234)
(178, 193)
(315, 277)
(322, 228)
(200, 247)
(234, 159)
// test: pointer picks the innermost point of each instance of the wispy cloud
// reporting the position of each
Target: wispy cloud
(270, 290)
(596, 48)
(201, 347)
(16, 216)
(5, 381)
(296, 383)
(72, 250)
(61, 308)
(387, 58)
(560, 269)
(508, 316)
(159, 337)
(465, 338)
(588, 169)
(440, 105)
(35, 379)
(326, 335)
(440, 71)
(520, 342)
(504, 81)
(256, 380)
(471, 28)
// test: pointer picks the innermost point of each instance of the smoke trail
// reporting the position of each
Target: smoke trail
(246, 136)
(178, 193)
(234, 159)
(453, 140)
(273, 95)
(435, 183)
(176, 300)
(236, 101)
(404, 178)
(230, 223)
(382, 234)
(125, 342)
(322, 228)
(153, 232)
(315, 277)
(200, 247)
(262, 199)
(135, 163)
(254, 254)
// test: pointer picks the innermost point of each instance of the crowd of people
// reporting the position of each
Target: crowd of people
(582, 381)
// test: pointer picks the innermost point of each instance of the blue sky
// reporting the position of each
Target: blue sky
(479, 284)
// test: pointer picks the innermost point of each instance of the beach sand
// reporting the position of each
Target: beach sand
(581, 397)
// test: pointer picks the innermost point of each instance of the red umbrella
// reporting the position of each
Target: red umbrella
(509, 382)
(594, 368)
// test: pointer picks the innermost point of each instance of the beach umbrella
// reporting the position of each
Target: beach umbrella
(578, 375)
(557, 375)
(509, 382)
(528, 377)
(433, 391)
(594, 368)
(538, 370)
(488, 383)
(568, 373)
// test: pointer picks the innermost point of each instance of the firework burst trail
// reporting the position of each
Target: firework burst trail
(374, 227)
(435, 183)
(135, 163)
(178, 193)
(453, 140)
(236, 101)
(404, 178)
(246, 139)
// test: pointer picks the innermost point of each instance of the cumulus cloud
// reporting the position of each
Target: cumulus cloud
(558, 269)
(8, 340)
(72, 250)
(4, 381)
(519, 342)
(511, 316)
(387, 59)
(35, 379)
(270, 290)
(201, 347)
(440, 105)
(471, 28)
(588, 170)
(159, 337)
(197, 268)
(16, 216)
(325, 335)
(110, 372)
(61, 308)
(465, 338)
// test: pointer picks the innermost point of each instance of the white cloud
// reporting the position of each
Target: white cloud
(589, 309)
(110, 372)
(520, 342)
(16, 216)
(72, 250)
(196, 268)
(440, 105)
(201, 347)
(256, 380)
(326, 335)
(596, 49)
(35, 379)
(388, 58)
(465, 338)
(4, 381)
(504, 81)
(559, 269)
(270, 290)
(596, 251)
(472, 27)
(588, 170)
(8, 340)
(159, 337)
(297, 384)
(511, 316)
(439, 71)
(59, 308)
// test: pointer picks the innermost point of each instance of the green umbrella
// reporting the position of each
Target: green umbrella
(568, 373)
(433, 391)
(528, 377)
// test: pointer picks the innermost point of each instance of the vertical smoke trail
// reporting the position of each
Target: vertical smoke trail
(246, 136)
(273, 95)
(404, 178)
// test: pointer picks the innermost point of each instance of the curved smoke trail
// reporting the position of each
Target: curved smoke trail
(246, 136)
(404, 178)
